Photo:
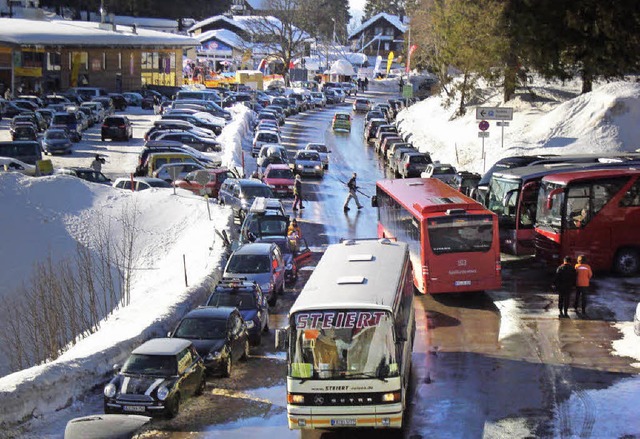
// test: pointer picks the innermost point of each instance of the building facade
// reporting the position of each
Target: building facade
(380, 35)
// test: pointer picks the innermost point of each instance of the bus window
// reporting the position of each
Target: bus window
(460, 234)
(632, 196)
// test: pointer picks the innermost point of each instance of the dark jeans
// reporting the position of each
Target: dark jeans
(563, 301)
(581, 298)
(297, 201)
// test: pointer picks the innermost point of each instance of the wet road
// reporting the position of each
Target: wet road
(495, 364)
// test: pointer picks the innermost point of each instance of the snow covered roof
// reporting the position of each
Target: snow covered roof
(342, 67)
(223, 35)
(394, 20)
(248, 23)
(83, 33)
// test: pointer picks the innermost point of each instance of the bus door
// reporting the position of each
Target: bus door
(526, 218)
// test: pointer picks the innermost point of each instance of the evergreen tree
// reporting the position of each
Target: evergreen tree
(374, 7)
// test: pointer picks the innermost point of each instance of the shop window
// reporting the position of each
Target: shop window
(82, 58)
(54, 61)
(119, 60)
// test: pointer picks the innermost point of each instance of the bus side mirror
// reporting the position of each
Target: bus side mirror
(282, 337)
(552, 194)
(549, 203)
(374, 201)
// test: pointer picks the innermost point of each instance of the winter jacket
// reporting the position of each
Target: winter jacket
(565, 277)
(584, 273)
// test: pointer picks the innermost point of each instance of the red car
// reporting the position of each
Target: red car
(205, 181)
(280, 179)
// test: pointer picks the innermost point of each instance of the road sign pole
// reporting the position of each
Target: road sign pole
(484, 167)
(502, 137)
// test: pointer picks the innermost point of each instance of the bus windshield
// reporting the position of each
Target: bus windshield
(460, 233)
(503, 197)
(549, 215)
(343, 345)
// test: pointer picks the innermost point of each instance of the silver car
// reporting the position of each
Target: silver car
(308, 163)
(261, 263)
(321, 149)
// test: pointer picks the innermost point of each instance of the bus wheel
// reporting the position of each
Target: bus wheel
(626, 262)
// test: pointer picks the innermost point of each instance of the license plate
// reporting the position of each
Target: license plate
(134, 408)
(344, 422)
(462, 283)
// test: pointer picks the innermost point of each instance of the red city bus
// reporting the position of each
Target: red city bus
(593, 212)
(453, 239)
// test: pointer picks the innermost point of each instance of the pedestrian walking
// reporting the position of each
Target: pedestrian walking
(401, 84)
(366, 83)
(297, 193)
(564, 282)
(96, 164)
(583, 279)
(353, 188)
(7, 94)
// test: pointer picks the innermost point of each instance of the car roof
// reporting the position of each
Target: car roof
(145, 179)
(216, 312)
(277, 166)
(232, 284)
(254, 248)
(162, 346)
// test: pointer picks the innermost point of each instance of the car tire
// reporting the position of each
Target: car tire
(203, 385)
(246, 350)
(227, 367)
(173, 407)
(627, 262)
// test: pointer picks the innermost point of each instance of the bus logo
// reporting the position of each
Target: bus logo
(462, 262)
(318, 400)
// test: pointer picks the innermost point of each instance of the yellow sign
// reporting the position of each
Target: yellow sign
(28, 71)
(44, 167)
(389, 61)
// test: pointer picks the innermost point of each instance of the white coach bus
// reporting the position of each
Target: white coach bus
(350, 338)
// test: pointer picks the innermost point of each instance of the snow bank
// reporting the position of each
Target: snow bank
(170, 227)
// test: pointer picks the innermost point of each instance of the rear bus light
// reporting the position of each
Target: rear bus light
(391, 397)
(295, 399)
(498, 266)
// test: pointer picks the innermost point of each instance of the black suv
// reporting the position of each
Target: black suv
(156, 378)
(116, 128)
(219, 335)
(248, 298)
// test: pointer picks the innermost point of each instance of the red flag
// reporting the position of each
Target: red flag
(291, 65)
(412, 49)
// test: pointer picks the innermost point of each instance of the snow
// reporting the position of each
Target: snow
(44, 218)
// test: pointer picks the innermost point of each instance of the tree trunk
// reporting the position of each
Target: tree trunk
(587, 81)
(463, 96)
(510, 77)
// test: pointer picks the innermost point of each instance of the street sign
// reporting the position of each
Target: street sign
(483, 134)
(494, 113)
(483, 125)
(501, 123)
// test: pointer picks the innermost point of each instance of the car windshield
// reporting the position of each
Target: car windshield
(256, 191)
(159, 183)
(268, 137)
(308, 156)
(138, 364)
(250, 264)
(342, 116)
(319, 148)
(280, 173)
(96, 177)
(201, 328)
(63, 119)
(418, 159)
(443, 170)
(243, 300)
(342, 344)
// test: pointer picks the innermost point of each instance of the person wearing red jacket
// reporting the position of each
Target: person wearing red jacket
(583, 278)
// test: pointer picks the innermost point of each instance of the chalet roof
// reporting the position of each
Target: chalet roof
(223, 35)
(84, 34)
(393, 20)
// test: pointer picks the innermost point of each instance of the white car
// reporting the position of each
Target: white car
(441, 171)
(140, 183)
(319, 99)
(10, 164)
(321, 149)
(636, 321)
(263, 137)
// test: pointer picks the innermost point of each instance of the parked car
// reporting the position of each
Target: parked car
(262, 137)
(179, 170)
(85, 174)
(441, 171)
(199, 119)
(102, 426)
(56, 140)
(200, 143)
(9, 164)
(156, 146)
(259, 262)
(465, 181)
(70, 122)
(140, 183)
(308, 163)
(321, 149)
(116, 128)
(89, 114)
(341, 121)
(239, 193)
(412, 164)
(96, 108)
(46, 114)
(295, 253)
(270, 150)
(319, 99)
(384, 143)
(280, 179)
(107, 104)
(248, 298)
(266, 217)
(133, 99)
(156, 378)
(23, 132)
(205, 181)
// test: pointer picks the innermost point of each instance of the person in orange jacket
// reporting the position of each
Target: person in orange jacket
(583, 278)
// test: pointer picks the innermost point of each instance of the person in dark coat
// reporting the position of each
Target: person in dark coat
(297, 193)
(564, 282)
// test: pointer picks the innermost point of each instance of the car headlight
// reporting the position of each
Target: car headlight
(110, 390)
(318, 166)
(163, 392)
(299, 166)
(250, 324)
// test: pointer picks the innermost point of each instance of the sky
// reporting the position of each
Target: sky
(58, 211)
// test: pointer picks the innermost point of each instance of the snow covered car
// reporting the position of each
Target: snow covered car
(11, 164)
(105, 426)
(308, 163)
(156, 378)
(441, 171)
